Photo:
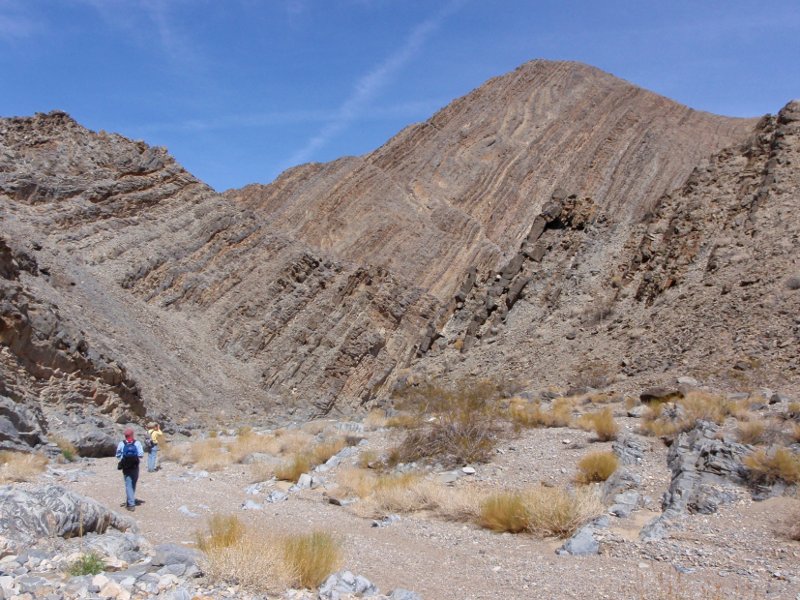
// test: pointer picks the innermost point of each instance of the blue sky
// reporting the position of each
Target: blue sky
(239, 90)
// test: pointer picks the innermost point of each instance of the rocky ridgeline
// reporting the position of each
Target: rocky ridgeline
(451, 249)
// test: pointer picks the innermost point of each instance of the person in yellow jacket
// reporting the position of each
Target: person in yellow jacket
(155, 434)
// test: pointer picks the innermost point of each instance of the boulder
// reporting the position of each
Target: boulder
(51, 510)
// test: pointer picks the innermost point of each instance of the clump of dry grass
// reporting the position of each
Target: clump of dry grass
(533, 415)
(768, 467)
(793, 410)
(223, 531)
(375, 419)
(263, 564)
(292, 469)
(596, 467)
(20, 466)
(559, 512)
(542, 511)
(794, 432)
(310, 558)
(667, 419)
(289, 441)
(368, 459)
(250, 562)
(602, 423)
(261, 471)
(210, 455)
(504, 512)
(403, 421)
(249, 442)
(321, 452)
(68, 450)
(701, 406)
(751, 431)
(355, 482)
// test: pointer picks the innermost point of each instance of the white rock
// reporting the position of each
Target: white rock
(468, 470)
(167, 581)
(99, 580)
(114, 590)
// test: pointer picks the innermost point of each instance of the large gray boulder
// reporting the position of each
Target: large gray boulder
(20, 426)
(51, 510)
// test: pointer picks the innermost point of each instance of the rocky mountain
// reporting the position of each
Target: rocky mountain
(557, 225)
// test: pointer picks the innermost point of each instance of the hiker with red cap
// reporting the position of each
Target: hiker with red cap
(129, 451)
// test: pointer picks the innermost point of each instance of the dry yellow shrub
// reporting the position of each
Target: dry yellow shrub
(597, 466)
(20, 466)
(291, 470)
(781, 463)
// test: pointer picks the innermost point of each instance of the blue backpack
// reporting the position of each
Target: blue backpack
(130, 456)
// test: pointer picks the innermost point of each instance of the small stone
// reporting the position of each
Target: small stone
(468, 470)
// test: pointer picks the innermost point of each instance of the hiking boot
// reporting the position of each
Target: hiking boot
(131, 508)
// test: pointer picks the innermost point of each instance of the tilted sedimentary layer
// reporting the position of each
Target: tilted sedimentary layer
(451, 245)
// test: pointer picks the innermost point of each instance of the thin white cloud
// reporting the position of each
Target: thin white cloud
(370, 85)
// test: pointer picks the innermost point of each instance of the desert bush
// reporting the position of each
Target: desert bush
(460, 425)
(87, 564)
(249, 442)
(292, 469)
(403, 421)
(768, 467)
(793, 410)
(209, 454)
(794, 432)
(533, 415)
(261, 471)
(602, 423)
(410, 493)
(325, 450)
(667, 419)
(68, 450)
(289, 441)
(368, 459)
(751, 432)
(504, 512)
(311, 557)
(223, 532)
(254, 562)
(20, 466)
(559, 512)
(597, 466)
(542, 511)
(375, 419)
(355, 482)
(701, 406)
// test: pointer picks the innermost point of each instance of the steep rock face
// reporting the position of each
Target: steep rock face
(461, 241)
(212, 311)
(463, 188)
(706, 282)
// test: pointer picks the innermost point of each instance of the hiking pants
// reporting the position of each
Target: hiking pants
(151, 459)
(131, 477)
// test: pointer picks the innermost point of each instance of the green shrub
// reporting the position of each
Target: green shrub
(88, 564)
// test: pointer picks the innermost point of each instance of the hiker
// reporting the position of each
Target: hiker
(129, 451)
(155, 434)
